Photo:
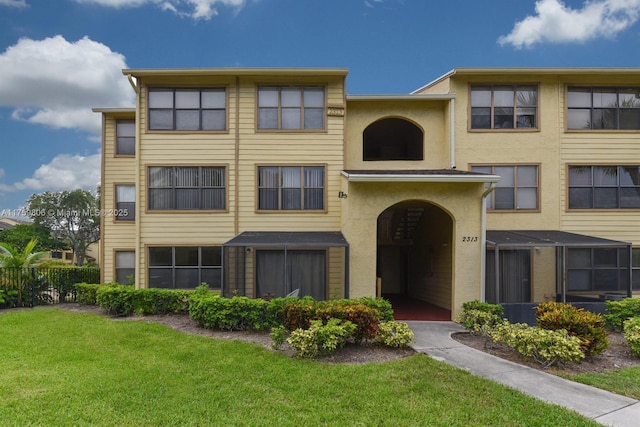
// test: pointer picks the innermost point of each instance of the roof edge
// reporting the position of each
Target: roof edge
(523, 70)
(146, 72)
(436, 81)
(402, 97)
(113, 110)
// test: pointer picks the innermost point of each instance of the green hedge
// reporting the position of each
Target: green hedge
(237, 313)
(86, 292)
(485, 307)
(125, 300)
(212, 311)
(619, 312)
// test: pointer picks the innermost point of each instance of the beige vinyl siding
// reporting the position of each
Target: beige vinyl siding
(594, 148)
(288, 148)
(115, 234)
(244, 147)
(335, 273)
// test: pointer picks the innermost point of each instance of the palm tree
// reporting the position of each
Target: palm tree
(14, 275)
(11, 257)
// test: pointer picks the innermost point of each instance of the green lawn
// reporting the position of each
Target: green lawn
(623, 381)
(64, 368)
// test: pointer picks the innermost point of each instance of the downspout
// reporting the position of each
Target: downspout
(236, 215)
(133, 84)
(630, 271)
(139, 217)
(483, 241)
(452, 133)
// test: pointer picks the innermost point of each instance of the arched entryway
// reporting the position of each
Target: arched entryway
(414, 262)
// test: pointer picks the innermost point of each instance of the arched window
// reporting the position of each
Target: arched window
(392, 139)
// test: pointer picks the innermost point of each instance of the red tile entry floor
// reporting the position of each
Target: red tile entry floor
(405, 308)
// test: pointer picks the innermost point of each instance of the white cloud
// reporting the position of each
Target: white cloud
(196, 9)
(55, 82)
(13, 3)
(554, 22)
(372, 3)
(64, 172)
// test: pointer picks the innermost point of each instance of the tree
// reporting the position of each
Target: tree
(20, 235)
(11, 257)
(74, 216)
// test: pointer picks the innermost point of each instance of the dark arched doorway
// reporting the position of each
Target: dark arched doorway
(414, 260)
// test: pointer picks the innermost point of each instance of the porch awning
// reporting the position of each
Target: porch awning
(525, 238)
(418, 175)
(289, 239)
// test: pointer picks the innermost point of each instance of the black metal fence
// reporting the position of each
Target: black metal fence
(28, 287)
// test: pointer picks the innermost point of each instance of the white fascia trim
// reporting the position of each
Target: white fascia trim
(352, 177)
(438, 80)
(418, 97)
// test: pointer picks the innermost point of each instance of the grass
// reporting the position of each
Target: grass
(624, 381)
(64, 368)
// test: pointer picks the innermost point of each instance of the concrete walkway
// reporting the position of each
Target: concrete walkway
(434, 339)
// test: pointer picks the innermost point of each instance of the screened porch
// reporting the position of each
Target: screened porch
(526, 266)
(275, 264)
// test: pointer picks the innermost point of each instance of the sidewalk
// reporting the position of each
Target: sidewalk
(434, 339)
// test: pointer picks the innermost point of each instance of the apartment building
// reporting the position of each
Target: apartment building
(510, 185)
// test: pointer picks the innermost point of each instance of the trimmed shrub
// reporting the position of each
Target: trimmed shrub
(116, 299)
(276, 310)
(86, 292)
(495, 309)
(632, 334)
(587, 326)
(385, 310)
(478, 322)
(364, 317)
(160, 301)
(278, 336)
(620, 311)
(300, 313)
(237, 313)
(395, 334)
(125, 300)
(544, 346)
(320, 338)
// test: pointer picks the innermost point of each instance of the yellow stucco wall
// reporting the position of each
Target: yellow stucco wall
(431, 116)
(544, 273)
(461, 202)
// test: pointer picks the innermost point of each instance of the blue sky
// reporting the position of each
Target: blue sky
(60, 58)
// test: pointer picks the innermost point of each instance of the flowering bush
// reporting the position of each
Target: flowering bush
(395, 334)
(632, 334)
(320, 338)
(546, 347)
(478, 322)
